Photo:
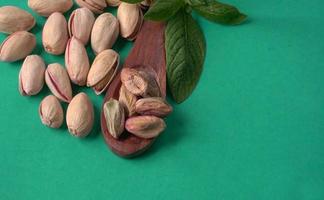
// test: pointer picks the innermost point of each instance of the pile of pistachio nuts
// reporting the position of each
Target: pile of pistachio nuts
(87, 25)
(140, 107)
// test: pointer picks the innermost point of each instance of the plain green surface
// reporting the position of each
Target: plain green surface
(253, 129)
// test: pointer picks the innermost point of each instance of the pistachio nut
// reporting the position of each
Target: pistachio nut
(103, 70)
(130, 18)
(47, 7)
(51, 112)
(13, 19)
(77, 62)
(96, 6)
(113, 3)
(17, 46)
(57, 80)
(104, 33)
(153, 106)
(80, 24)
(153, 86)
(80, 115)
(140, 83)
(55, 34)
(145, 126)
(31, 75)
(134, 81)
(128, 100)
(115, 117)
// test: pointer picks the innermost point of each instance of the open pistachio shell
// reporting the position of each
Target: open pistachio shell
(115, 117)
(77, 62)
(103, 70)
(130, 17)
(57, 80)
(80, 24)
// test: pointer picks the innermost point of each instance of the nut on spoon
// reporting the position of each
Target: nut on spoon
(147, 54)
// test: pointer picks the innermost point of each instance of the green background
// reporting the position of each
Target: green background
(253, 129)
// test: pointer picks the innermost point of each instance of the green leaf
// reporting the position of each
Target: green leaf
(185, 54)
(217, 12)
(162, 10)
(132, 1)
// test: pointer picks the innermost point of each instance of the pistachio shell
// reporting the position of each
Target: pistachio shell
(113, 3)
(80, 115)
(47, 7)
(153, 106)
(57, 80)
(104, 33)
(77, 61)
(80, 24)
(17, 46)
(96, 6)
(13, 19)
(103, 70)
(31, 75)
(130, 19)
(55, 34)
(51, 112)
(145, 126)
(128, 100)
(115, 117)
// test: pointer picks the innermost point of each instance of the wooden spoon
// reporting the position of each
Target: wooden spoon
(147, 54)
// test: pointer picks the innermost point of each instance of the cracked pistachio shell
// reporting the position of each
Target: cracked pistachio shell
(103, 70)
(96, 6)
(55, 34)
(80, 24)
(153, 106)
(57, 80)
(31, 75)
(51, 112)
(47, 7)
(130, 18)
(77, 62)
(115, 117)
(145, 126)
(128, 100)
(113, 3)
(80, 115)
(104, 33)
(13, 19)
(17, 46)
